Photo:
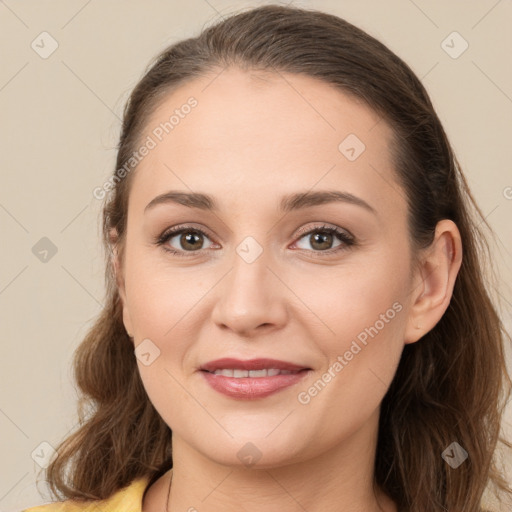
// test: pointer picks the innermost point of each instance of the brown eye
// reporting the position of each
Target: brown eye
(180, 240)
(191, 240)
(321, 239)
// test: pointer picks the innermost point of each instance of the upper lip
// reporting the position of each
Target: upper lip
(250, 364)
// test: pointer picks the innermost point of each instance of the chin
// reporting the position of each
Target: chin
(252, 452)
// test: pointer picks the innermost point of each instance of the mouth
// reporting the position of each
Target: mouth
(255, 378)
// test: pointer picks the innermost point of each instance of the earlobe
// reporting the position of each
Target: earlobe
(438, 271)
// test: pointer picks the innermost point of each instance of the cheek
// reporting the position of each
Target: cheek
(160, 297)
(359, 321)
(349, 299)
(361, 359)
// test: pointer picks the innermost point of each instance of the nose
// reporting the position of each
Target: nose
(250, 299)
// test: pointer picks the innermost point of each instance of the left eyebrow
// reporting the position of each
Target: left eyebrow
(288, 203)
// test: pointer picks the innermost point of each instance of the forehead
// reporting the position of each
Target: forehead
(264, 135)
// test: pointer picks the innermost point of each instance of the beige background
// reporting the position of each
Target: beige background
(60, 123)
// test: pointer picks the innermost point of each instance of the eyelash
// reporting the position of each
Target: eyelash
(346, 239)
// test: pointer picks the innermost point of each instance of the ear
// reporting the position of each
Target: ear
(434, 281)
(118, 273)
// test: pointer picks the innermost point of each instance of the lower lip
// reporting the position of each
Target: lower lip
(250, 388)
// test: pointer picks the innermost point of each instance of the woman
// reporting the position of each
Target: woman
(295, 289)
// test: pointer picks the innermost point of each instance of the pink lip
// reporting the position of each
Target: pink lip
(250, 388)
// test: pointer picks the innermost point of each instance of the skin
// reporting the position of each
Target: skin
(253, 138)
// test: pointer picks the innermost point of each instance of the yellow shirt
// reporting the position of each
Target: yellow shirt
(128, 499)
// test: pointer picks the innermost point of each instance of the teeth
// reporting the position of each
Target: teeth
(271, 372)
(226, 373)
(257, 373)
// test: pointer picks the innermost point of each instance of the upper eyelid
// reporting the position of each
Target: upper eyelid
(325, 226)
(175, 230)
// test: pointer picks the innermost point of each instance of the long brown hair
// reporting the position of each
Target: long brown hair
(450, 386)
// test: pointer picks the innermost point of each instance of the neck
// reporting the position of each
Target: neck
(340, 478)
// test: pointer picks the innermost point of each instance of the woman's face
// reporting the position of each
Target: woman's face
(265, 280)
